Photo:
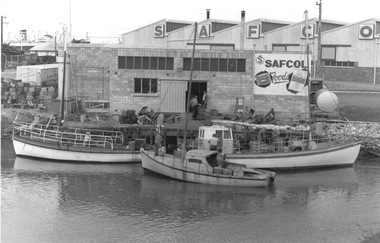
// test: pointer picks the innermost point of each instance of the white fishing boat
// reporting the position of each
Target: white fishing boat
(278, 148)
(202, 166)
(72, 144)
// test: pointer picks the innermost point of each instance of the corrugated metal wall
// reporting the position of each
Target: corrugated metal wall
(327, 26)
(267, 26)
(220, 26)
(173, 96)
(171, 26)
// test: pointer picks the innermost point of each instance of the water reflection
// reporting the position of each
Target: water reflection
(118, 185)
(22, 164)
(302, 188)
(163, 195)
(87, 186)
(50, 201)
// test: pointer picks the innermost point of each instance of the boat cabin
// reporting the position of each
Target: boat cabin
(224, 135)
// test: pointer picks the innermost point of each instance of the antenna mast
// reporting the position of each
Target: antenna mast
(319, 37)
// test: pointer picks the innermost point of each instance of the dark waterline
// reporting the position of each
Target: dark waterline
(65, 202)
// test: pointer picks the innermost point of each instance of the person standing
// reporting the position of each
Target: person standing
(194, 107)
(204, 99)
(87, 139)
(214, 142)
(158, 142)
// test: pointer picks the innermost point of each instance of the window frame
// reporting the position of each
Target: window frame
(151, 86)
(145, 63)
(322, 53)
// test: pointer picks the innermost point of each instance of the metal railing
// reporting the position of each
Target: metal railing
(117, 137)
(72, 137)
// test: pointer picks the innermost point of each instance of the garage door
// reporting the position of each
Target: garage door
(173, 96)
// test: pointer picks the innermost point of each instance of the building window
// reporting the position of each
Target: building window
(240, 65)
(153, 63)
(130, 63)
(231, 65)
(347, 64)
(205, 64)
(215, 64)
(146, 63)
(197, 64)
(187, 64)
(121, 63)
(328, 52)
(222, 65)
(145, 85)
(169, 63)
(161, 63)
(137, 63)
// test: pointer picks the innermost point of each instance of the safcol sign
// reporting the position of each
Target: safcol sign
(273, 71)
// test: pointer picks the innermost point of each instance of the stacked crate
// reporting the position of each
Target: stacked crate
(279, 145)
(254, 146)
(128, 117)
(22, 95)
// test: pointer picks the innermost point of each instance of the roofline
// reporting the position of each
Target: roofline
(257, 20)
(349, 25)
(221, 21)
(166, 20)
(309, 20)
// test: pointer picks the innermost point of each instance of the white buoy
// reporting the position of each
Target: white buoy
(326, 100)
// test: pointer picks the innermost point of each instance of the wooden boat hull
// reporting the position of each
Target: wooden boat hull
(173, 167)
(54, 151)
(333, 156)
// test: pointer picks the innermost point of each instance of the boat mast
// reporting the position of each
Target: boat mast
(189, 93)
(62, 115)
(308, 73)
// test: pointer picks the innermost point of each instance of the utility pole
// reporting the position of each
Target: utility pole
(2, 51)
(319, 37)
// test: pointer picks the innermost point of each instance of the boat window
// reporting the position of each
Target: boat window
(201, 133)
(208, 134)
(195, 161)
(219, 134)
(227, 134)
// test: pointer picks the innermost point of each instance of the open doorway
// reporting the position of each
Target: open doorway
(197, 89)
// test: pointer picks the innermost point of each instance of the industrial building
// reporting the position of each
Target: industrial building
(152, 65)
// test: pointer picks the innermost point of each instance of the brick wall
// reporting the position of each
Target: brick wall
(287, 108)
(90, 72)
(97, 77)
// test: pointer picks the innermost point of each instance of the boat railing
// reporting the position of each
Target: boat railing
(114, 137)
(64, 138)
(190, 143)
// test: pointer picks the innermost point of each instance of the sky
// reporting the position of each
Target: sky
(106, 21)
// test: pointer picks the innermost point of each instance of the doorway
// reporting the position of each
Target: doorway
(197, 89)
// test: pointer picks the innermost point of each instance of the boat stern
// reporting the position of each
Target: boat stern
(271, 175)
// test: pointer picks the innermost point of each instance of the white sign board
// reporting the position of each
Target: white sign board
(253, 31)
(204, 31)
(273, 74)
(159, 31)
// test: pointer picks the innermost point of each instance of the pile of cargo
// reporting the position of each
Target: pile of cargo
(17, 94)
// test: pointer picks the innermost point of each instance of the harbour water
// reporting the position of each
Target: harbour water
(46, 201)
